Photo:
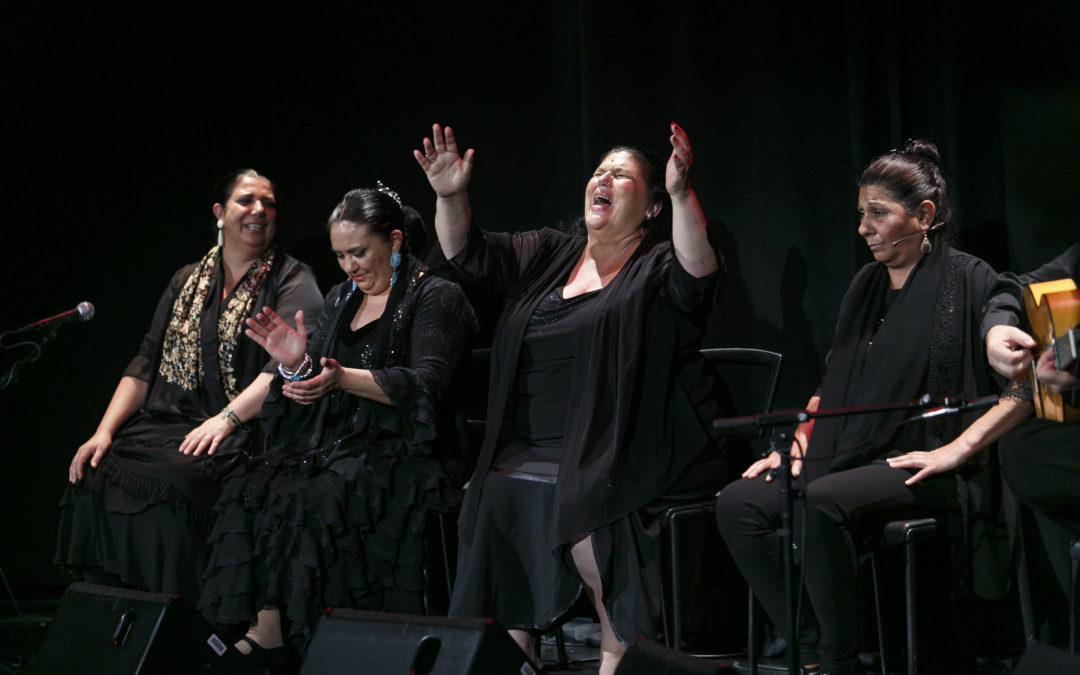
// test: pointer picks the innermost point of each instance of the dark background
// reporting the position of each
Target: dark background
(116, 124)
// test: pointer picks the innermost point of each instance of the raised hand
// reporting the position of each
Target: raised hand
(277, 337)
(446, 170)
(677, 173)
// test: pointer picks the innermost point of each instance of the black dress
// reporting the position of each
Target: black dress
(632, 434)
(334, 512)
(143, 515)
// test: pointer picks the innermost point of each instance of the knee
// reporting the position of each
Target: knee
(739, 509)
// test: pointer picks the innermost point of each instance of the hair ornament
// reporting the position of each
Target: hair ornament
(388, 192)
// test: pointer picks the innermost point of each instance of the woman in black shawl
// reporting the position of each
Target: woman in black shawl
(333, 513)
(908, 325)
(598, 405)
(137, 512)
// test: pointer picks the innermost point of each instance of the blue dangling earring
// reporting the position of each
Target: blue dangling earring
(395, 262)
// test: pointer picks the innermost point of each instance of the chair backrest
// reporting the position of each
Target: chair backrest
(751, 375)
(747, 382)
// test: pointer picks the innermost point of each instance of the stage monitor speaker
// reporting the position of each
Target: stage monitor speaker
(1040, 659)
(348, 642)
(99, 630)
(645, 657)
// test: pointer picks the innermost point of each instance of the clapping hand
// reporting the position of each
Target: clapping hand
(306, 392)
(280, 340)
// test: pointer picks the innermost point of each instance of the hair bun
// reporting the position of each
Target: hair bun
(923, 149)
(416, 232)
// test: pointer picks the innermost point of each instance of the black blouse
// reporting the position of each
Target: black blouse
(544, 375)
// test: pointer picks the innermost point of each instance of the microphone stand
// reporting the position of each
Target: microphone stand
(791, 418)
(12, 374)
(6, 380)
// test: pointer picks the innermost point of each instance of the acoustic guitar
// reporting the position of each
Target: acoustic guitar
(1053, 310)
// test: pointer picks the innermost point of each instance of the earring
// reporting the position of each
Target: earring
(395, 262)
(220, 226)
(926, 246)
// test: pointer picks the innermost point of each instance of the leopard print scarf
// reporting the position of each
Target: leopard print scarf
(181, 359)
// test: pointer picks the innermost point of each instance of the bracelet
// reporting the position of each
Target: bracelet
(302, 371)
(228, 414)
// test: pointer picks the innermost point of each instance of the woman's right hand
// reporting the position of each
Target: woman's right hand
(446, 170)
(772, 461)
(280, 340)
(93, 450)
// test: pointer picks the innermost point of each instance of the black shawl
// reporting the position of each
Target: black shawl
(637, 392)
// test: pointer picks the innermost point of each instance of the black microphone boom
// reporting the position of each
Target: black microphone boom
(83, 312)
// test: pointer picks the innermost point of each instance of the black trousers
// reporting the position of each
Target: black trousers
(1041, 463)
(838, 511)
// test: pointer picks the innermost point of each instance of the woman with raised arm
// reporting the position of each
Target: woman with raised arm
(908, 325)
(137, 512)
(599, 408)
(360, 450)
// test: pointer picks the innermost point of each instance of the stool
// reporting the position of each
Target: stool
(903, 533)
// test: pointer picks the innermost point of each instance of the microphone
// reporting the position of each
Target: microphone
(932, 228)
(83, 312)
(952, 405)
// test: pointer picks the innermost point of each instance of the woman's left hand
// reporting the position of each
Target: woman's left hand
(677, 174)
(207, 436)
(306, 392)
(945, 458)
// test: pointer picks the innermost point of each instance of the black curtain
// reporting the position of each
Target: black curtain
(117, 123)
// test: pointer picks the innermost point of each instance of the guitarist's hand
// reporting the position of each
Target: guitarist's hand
(1008, 349)
(1057, 381)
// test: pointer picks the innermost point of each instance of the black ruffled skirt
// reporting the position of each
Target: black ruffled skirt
(344, 527)
(141, 518)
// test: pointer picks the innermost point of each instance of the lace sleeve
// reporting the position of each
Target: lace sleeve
(438, 341)
(1018, 389)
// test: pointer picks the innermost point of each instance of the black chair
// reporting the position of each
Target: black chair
(469, 398)
(1027, 613)
(752, 375)
(902, 533)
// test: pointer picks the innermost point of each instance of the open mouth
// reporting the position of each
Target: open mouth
(601, 200)
(257, 227)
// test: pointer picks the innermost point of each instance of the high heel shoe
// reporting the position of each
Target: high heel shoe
(281, 660)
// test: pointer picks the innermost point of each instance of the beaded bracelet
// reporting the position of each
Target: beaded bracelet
(228, 414)
(302, 371)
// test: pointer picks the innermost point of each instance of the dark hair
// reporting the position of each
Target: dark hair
(382, 214)
(913, 174)
(224, 187)
(652, 170)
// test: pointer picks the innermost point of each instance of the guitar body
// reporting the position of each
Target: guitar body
(1053, 308)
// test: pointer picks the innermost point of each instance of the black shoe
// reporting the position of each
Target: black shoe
(281, 660)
